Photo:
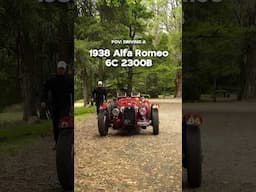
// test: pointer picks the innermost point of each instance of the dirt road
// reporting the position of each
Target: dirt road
(130, 163)
(229, 147)
(32, 169)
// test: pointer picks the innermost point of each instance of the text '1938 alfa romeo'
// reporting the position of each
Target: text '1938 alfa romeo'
(128, 113)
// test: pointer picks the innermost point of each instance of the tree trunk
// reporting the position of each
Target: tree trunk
(178, 84)
(26, 77)
(248, 86)
(130, 69)
(242, 77)
(27, 110)
(130, 77)
(85, 87)
(85, 92)
(248, 60)
(90, 83)
(66, 35)
(101, 70)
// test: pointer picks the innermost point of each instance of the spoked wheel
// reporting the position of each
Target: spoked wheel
(102, 123)
(155, 121)
(65, 158)
(194, 156)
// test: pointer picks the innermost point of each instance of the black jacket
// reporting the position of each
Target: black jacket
(99, 95)
(61, 89)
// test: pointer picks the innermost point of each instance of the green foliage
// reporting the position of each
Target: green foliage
(214, 43)
(104, 21)
(33, 36)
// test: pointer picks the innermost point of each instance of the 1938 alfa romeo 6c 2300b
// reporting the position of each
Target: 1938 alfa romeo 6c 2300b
(128, 113)
(191, 148)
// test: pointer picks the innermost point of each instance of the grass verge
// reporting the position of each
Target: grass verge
(82, 112)
(12, 139)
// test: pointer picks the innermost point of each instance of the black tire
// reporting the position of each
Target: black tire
(155, 121)
(194, 156)
(102, 123)
(65, 158)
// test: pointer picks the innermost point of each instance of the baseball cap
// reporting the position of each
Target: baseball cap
(62, 64)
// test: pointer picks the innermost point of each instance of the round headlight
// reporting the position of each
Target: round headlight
(190, 121)
(143, 111)
(122, 108)
(115, 111)
(197, 121)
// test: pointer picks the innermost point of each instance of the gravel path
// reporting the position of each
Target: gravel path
(229, 147)
(30, 170)
(132, 163)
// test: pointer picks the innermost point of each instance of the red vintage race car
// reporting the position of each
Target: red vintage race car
(128, 113)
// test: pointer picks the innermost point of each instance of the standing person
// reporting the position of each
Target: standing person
(99, 95)
(61, 89)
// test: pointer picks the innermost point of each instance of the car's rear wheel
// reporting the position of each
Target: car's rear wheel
(155, 121)
(102, 123)
(194, 156)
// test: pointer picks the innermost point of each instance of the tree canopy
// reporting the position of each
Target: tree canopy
(218, 40)
(99, 22)
(33, 37)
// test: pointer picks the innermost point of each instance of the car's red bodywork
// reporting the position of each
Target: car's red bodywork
(132, 112)
(66, 122)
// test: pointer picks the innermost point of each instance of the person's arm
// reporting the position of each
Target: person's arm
(105, 95)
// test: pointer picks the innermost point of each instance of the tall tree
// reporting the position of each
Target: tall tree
(34, 40)
(245, 12)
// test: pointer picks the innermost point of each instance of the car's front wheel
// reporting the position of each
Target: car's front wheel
(193, 156)
(65, 158)
(102, 123)
(155, 121)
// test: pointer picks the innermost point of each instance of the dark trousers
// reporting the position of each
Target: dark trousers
(98, 108)
(98, 104)
(55, 122)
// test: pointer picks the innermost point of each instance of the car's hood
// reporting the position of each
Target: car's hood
(128, 101)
